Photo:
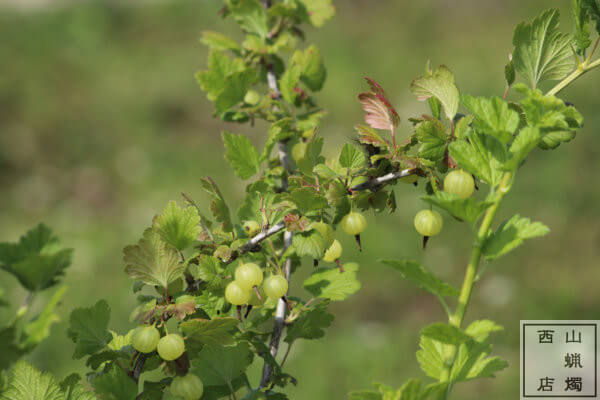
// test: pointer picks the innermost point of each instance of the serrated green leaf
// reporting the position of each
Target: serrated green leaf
(509, 72)
(234, 89)
(215, 332)
(307, 200)
(433, 139)
(511, 234)
(526, 140)
(556, 121)
(481, 329)
(313, 69)
(581, 37)
(593, 9)
(351, 157)
(482, 155)
(492, 116)
(178, 226)
(120, 341)
(153, 261)
(312, 155)
(445, 333)
(219, 41)
(98, 360)
(209, 269)
(9, 349)
(251, 16)
(368, 135)
(467, 209)
(115, 384)
(310, 324)
(37, 260)
(440, 85)
(27, 383)
(309, 244)
(38, 329)
(218, 207)
(220, 66)
(332, 284)
(288, 82)
(318, 11)
(73, 390)
(280, 130)
(241, 154)
(541, 51)
(221, 365)
(88, 328)
(416, 274)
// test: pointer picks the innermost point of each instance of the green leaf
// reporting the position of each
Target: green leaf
(430, 357)
(593, 9)
(115, 384)
(219, 41)
(251, 16)
(307, 200)
(37, 260)
(312, 155)
(351, 157)
(27, 383)
(309, 244)
(445, 333)
(527, 139)
(120, 341)
(280, 130)
(541, 51)
(510, 234)
(509, 72)
(492, 116)
(241, 154)
(234, 89)
(440, 84)
(73, 390)
(416, 274)
(318, 11)
(481, 329)
(218, 207)
(556, 121)
(178, 226)
(467, 209)
(313, 69)
(581, 37)
(88, 329)
(209, 269)
(332, 284)
(288, 82)
(153, 261)
(39, 328)
(433, 138)
(368, 135)
(215, 332)
(9, 349)
(482, 155)
(310, 324)
(221, 365)
(365, 395)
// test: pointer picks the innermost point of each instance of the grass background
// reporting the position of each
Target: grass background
(101, 123)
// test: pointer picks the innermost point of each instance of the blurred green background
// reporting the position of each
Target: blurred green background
(101, 123)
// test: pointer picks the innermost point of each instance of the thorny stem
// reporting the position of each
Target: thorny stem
(374, 183)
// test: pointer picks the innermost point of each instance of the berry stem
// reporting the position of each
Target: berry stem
(339, 264)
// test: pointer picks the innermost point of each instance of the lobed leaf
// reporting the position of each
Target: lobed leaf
(482, 155)
(416, 274)
(441, 85)
(433, 138)
(178, 226)
(541, 51)
(351, 157)
(492, 116)
(593, 9)
(88, 329)
(310, 324)
(581, 38)
(380, 114)
(525, 141)
(288, 82)
(213, 332)
(318, 11)
(307, 200)
(218, 365)
(467, 209)
(445, 333)
(27, 383)
(510, 234)
(114, 384)
(332, 284)
(251, 16)
(219, 41)
(241, 155)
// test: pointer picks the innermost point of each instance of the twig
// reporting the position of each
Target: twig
(260, 237)
(374, 183)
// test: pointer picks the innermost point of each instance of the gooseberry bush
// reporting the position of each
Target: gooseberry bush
(213, 289)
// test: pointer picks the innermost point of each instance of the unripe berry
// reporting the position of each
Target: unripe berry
(252, 97)
(334, 252)
(145, 339)
(170, 347)
(428, 222)
(237, 294)
(248, 275)
(251, 228)
(354, 223)
(189, 387)
(275, 286)
(460, 183)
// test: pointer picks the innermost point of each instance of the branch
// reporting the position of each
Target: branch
(260, 237)
(375, 183)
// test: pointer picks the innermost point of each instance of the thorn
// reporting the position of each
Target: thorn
(287, 303)
(357, 237)
(339, 264)
(425, 240)
(239, 312)
(257, 294)
(248, 309)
